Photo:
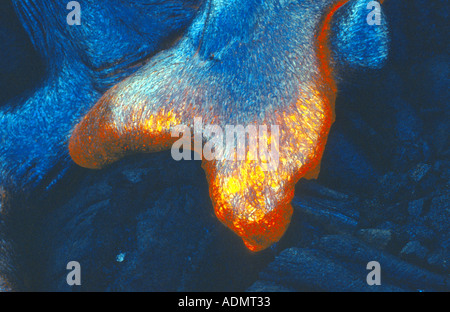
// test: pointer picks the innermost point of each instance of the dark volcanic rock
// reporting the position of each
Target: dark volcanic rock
(440, 261)
(415, 208)
(146, 224)
(414, 252)
(419, 172)
(439, 214)
(264, 286)
(307, 270)
(338, 263)
(377, 238)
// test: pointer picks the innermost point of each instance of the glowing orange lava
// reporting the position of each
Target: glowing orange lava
(252, 202)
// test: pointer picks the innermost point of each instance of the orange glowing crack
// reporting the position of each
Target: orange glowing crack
(254, 203)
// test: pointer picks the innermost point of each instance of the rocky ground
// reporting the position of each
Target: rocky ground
(147, 223)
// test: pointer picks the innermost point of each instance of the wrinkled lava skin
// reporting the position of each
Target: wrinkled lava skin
(243, 63)
(81, 63)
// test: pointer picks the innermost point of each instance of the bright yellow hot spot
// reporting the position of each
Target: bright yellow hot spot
(233, 186)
